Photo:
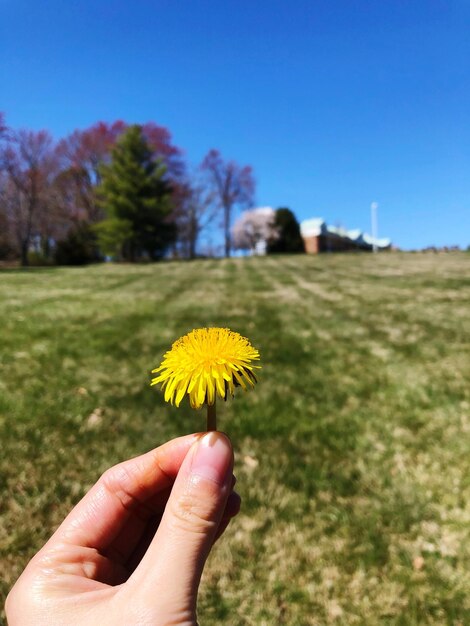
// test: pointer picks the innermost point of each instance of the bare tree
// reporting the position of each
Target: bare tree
(231, 184)
(7, 245)
(3, 126)
(28, 162)
(194, 211)
(5, 234)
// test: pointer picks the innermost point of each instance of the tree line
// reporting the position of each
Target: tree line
(113, 190)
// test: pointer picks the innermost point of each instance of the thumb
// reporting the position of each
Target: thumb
(172, 567)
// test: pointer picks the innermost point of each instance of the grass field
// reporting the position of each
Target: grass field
(352, 455)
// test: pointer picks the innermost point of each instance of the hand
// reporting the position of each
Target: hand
(133, 550)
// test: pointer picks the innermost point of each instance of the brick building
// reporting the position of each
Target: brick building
(319, 237)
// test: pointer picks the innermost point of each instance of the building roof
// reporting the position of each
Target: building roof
(312, 227)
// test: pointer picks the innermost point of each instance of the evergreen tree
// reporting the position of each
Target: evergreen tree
(136, 198)
(78, 248)
(288, 237)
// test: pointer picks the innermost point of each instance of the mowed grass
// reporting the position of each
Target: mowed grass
(352, 455)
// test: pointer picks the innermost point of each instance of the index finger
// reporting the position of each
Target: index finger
(101, 514)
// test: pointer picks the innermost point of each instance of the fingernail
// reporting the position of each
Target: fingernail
(213, 458)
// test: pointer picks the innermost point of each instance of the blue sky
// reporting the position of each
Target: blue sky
(334, 103)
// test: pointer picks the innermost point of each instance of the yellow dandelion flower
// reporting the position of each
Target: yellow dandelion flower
(205, 363)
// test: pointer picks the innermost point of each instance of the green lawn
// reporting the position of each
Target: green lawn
(352, 455)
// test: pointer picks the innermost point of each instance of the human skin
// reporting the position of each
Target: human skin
(133, 549)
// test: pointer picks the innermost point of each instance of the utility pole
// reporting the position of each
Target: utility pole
(373, 219)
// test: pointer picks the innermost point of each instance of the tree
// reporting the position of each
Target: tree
(253, 229)
(6, 247)
(82, 155)
(79, 247)
(287, 237)
(84, 152)
(113, 233)
(28, 161)
(159, 140)
(136, 197)
(194, 211)
(6, 241)
(3, 126)
(231, 184)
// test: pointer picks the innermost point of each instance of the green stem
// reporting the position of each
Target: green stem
(211, 417)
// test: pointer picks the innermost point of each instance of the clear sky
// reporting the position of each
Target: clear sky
(335, 103)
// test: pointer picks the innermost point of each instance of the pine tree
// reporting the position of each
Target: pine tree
(136, 198)
(288, 237)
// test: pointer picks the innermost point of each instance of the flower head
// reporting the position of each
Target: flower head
(204, 363)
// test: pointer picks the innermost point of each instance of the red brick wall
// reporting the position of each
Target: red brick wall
(312, 245)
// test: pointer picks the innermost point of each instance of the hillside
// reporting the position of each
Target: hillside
(351, 455)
